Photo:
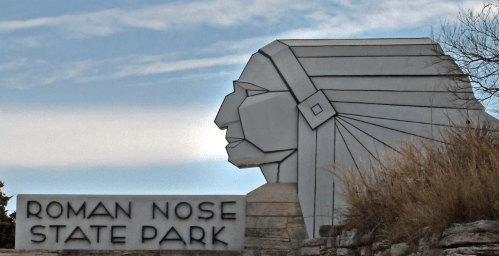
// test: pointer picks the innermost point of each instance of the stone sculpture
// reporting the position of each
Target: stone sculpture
(302, 107)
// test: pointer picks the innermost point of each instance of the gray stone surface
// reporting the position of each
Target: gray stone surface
(269, 121)
(316, 109)
(344, 251)
(326, 177)
(261, 72)
(227, 115)
(390, 83)
(306, 172)
(249, 86)
(270, 193)
(488, 249)
(473, 227)
(274, 224)
(314, 242)
(273, 209)
(347, 239)
(382, 91)
(288, 169)
(357, 42)
(126, 217)
(234, 132)
(364, 66)
(310, 251)
(246, 155)
(290, 69)
(270, 172)
(381, 245)
(374, 50)
(433, 99)
(266, 222)
(459, 239)
(253, 93)
(400, 249)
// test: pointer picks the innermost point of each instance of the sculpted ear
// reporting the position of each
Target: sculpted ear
(317, 109)
(270, 121)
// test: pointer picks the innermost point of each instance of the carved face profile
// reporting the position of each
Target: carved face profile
(302, 107)
(261, 119)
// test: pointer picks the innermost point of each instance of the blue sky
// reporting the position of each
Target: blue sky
(119, 97)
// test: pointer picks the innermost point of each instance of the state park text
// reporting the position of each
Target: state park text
(139, 222)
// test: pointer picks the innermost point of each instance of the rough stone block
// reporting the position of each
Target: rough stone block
(348, 238)
(489, 249)
(365, 251)
(331, 242)
(428, 242)
(274, 253)
(459, 239)
(313, 242)
(310, 251)
(344, 252)
(298, 220)
(473, 227)
(400, 249)
(273, 209)
(266, 222)
(269, 244)
(268, 233)
(432, 252)
(249, 252)
(383, 253)
(296, 229)
(382, 245)
(269, 193)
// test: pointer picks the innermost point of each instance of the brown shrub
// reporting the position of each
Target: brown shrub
(428, 186)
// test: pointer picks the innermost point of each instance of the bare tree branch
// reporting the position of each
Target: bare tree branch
(473, 42)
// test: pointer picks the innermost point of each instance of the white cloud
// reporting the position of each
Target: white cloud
(164, 67)
(333, 19)
(16, 43)
(30, 73)
(119, 137)
(357, 17)
(16, 64)
(217, 13)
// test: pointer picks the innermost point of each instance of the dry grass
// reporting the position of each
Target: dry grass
(427, 187)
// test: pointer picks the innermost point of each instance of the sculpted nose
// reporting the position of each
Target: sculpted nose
(228, 112)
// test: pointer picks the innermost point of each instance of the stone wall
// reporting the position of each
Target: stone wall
(274, 221)
(476, 238)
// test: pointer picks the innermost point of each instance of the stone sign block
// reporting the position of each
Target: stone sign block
(131, 222)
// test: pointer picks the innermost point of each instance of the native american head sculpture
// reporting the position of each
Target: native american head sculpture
(302, 107)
